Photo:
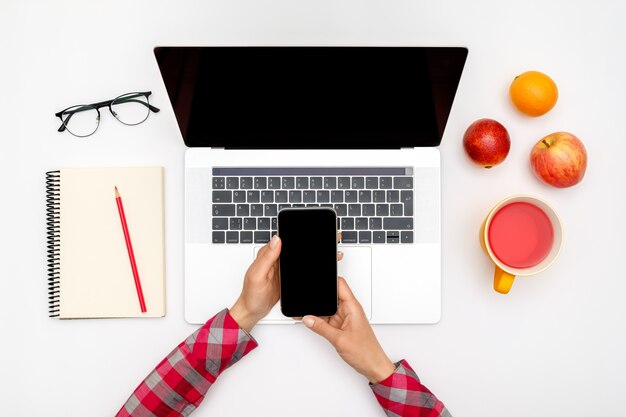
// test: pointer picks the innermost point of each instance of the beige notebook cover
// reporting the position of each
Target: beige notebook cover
(94, 278)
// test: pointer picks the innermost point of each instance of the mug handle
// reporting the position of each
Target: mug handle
(502, 281)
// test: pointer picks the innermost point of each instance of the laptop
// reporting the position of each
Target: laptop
(351, 128)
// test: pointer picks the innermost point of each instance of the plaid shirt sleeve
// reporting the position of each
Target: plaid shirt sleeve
(179, 383)
(402, 394)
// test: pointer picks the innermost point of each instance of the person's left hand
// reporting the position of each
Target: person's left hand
(261, 289)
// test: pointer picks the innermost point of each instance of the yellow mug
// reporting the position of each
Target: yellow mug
(522, 235)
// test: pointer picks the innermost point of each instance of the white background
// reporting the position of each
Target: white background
(554, 346)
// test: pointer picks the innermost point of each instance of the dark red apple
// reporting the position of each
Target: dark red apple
(487, 142)
(559, 159)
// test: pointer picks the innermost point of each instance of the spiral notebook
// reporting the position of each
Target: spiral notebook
(89, 269)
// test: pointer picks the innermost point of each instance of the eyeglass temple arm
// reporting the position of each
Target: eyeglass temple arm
(133, 100)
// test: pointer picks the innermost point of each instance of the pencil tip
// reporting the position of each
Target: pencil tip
(117, 193)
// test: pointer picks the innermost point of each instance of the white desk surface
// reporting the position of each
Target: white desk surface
(554, 346)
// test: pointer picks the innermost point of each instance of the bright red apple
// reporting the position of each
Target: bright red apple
(487, 142)
(559, 159)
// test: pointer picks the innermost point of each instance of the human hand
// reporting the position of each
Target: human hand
(261, 288)
(352, 336)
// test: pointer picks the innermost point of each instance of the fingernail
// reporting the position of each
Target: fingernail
(340, 253)
(274, 241)
(308, 321)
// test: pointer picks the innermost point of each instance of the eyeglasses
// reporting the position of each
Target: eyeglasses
(83, 120)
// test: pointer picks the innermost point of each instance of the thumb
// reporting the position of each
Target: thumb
(322, 328)
(269, 254)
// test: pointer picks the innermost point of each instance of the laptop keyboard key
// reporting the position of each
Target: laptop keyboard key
(223, 210)
(393, 237)
(361, 223)
(281, 197)
(245, 237)
(386, 183)
(330, 183)
(219, 237)
(282, 206)
(371, 183)
(308, 196)
(406, 196)
(243, 210)
(260, 183)
(382, 210)
(218, 183)
(341, 209)
(256, 210)
(323, 196)
(347, 223)
(378, 196)
(378, 236)
(336, 196)
(351, 196)
(261, 237)
(232, 237)
(376, 223)
(343, 183)
(245, 183)
(274, 223)
(365, 196)
(288, 183)
(295, 196)
(398, 223)
(253, 196)
(232, 183)
(358, 183)
(220, 223)
(267, 196)
(222, 196)
(354, 210)
(316, 183)
(396, 209)
(302, 183)
(264, 223)
(403, 183)
(249, 223)
(273, 183)
(368, 210)
(348, 237)
(393, 196)
(406, 237)
(235, 223)
(271, 210)
(365, 237)
(239, 196)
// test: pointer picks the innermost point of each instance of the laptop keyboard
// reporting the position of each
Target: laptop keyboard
(373, 205)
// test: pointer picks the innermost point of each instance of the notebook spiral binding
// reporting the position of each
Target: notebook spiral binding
(53, 206)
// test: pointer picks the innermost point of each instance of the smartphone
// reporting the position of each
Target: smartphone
(308, 261)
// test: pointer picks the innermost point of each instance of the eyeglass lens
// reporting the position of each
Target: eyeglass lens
(81, 120)
(131, 108)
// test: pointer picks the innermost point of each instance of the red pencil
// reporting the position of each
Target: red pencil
(131, 254)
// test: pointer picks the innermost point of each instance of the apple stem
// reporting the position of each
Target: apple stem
(545, 143)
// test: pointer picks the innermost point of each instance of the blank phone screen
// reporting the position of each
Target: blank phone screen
(308, 262)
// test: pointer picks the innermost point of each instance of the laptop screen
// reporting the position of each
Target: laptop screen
(270, 97)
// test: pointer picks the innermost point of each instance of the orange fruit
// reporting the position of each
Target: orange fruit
(533, 93)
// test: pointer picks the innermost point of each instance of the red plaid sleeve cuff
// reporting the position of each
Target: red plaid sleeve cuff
(402, 394)
(179, 383)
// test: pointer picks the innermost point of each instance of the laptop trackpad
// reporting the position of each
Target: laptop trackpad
(356, 268)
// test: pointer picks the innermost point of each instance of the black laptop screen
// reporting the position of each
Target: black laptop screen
(311, 97)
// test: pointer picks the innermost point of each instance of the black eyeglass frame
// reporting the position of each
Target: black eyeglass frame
(107, 103)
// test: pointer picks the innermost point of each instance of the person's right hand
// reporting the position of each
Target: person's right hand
(352, 336)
